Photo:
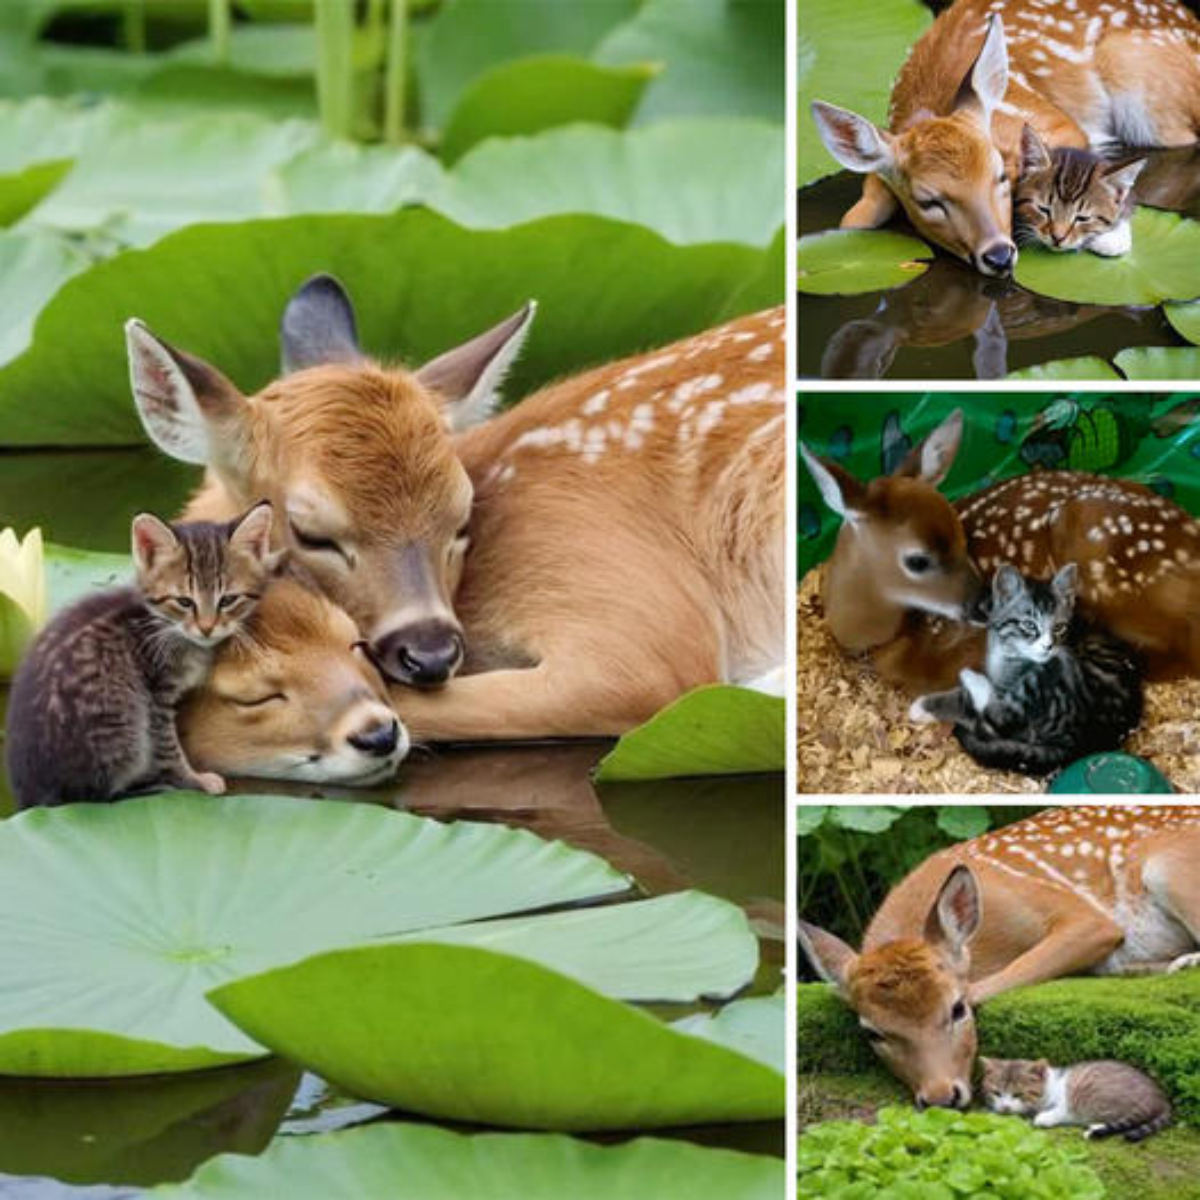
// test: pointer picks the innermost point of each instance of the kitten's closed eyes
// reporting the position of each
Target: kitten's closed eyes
(1072, 199)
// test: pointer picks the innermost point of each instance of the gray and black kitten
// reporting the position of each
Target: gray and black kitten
(1055, 688)
(92, 710)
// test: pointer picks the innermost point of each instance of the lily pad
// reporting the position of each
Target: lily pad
(756, 1027)
(473, 1035)
(715, 730)
(340, 177)
(122, 916)
(531, 94)
(72, 574)
(33, 266)
(875, 38)
(443, 284)
(660, 177)
(847, 261)
(419, 1162)
(1066, 370)
(1164, 264)
(1185, 319)
(1160, 362)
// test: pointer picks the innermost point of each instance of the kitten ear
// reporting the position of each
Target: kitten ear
(1034, 155)
(1065, 582)
(151, 538)
(252, 533)
(1007, 583)
(1121, 176)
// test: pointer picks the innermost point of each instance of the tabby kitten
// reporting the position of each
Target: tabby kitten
(1055, 688)
(1069, 199)
(1107, 1097)
(92, 710)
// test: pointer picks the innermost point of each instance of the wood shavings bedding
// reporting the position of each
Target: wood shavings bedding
(854, 734)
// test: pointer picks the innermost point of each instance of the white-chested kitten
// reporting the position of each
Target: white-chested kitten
(1108, 1097)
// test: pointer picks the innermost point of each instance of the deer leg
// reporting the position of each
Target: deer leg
(1072, 947)
(876, 207)
(1170, 877)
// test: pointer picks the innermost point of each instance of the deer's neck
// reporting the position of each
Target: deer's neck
(859, 616)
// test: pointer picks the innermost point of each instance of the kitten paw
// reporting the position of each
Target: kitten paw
(1110, 245)
(1183, 962)
(919, 713)
(1094, 1131)
(210, 782)
(1045, 1120)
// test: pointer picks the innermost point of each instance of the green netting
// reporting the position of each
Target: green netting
(1152, 438)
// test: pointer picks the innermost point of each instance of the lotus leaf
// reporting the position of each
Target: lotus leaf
(1065, 370)
(846, 261)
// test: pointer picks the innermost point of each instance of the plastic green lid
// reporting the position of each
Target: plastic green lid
(1109, 774)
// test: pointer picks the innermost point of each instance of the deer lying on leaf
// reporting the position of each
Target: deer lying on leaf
(1086, 890)
(627, 524)
(905, 573)
(1091, 72)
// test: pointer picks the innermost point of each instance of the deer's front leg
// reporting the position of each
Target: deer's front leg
(1073, 945)
(876, 207)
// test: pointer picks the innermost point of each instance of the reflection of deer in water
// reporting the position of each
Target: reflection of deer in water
(947, 303)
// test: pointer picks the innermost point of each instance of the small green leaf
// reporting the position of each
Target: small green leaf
(1160, 362)
(963, 821)
(1066, 370)
(846, 261)
(715, 730)
(529, 95)
(1164, 264)
(1185, 319)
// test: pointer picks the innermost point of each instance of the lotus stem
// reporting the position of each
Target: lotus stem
(220, 22)
(396, 82)
(133, 26)
(335, 65)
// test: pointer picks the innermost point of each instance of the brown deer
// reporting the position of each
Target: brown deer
(627, 523)
(901, 583)
(1075, 890)
(1092, 72)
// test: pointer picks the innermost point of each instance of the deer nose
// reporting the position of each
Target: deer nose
(379, 740)
(998, 258)
(423, 655)
(954, 1095)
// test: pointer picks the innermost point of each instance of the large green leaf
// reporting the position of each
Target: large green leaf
(123, 915)
(720, 57)
(756, 1027)
(473, 1035)
(532, 94)
(144, 178)
(33, 266)
(1160, 362)
(845, 261)
(849, 54)
(342, 177)
(661, 177)
(417, 1162)
(716, 730)
(1164, 264)
(469, 37)
(605, 289)
(1065, 370)
(72, 574)
(41, 138)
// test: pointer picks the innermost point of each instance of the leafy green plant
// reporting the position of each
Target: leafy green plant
(941, 1155)
(414, 1162)
(858, 260)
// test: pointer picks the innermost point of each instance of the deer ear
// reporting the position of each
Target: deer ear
(1034, 155)
(987, 80)
(189, 409)
(955, 915)
(932, 458)
(839, 489)
(151, 537)
(830, 957)
(318, 326)
(858, 144)
(467, 376)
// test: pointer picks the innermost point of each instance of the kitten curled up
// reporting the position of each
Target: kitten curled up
(1108, 1097)
(1071, 199)
(92, 710)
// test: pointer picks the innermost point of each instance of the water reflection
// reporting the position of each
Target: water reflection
(953, 323)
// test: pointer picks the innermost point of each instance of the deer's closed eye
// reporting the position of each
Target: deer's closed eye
(257, 701)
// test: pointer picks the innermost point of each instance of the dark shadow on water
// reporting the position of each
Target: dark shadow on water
(722, 836)
(953, 323)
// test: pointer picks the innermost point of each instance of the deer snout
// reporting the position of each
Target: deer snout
(998, 258)
(947, 1094)
(423, 655)
(379, 739)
